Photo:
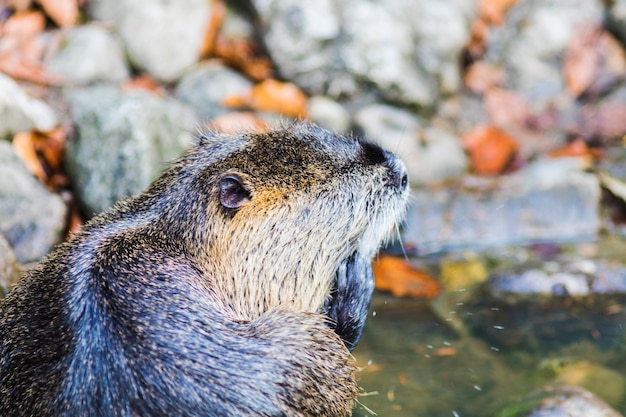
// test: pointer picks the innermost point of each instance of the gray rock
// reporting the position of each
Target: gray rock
(548, 201)
(205, 86)
(122, 142)
(329, 114)
(342, 48)
(163, 37)
(32, 219)
(10, 269)
(561, 277)
(88, 54)
(19, 112)
(431, 155)
(573, 402)
(532, 42)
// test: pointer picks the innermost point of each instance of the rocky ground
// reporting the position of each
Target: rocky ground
(510, 114)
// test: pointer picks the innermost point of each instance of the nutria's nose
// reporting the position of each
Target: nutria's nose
(375, 155)
(398, 177)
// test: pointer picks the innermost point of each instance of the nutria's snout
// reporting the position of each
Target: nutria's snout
(373, 154)
(397, 175)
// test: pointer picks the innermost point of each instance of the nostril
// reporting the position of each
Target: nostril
(398, 177)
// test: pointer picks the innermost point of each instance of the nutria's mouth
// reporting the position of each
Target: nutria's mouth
(350, 298)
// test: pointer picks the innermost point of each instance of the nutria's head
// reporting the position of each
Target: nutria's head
(274, 214)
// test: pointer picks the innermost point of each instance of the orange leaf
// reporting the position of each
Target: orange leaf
(218, 13)
(25, 24)
(494, 11)
(237, 122)
(482, 76)
(581, 59)
(62, 12)
(490, 149)
(593, 61)
(274, 96)
(42, 152)
(143, 82)
(400, 278)
(506, 107)
(575, 148)
(24, 146)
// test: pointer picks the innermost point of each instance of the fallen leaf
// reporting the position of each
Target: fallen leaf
(506, 108)
(243, 55)
(482, 76)
(218, 13)
(445, 351)
(400, 278)
(63, 12)
(22, 49)
(493, 12)
(273, 96)
(594, 61)
(490, 149)
(24, 25)
(42, 152)
(476, 46)
(237, 122)
(144, 82)
(575, 148)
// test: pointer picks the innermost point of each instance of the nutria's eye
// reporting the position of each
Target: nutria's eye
(233, 194)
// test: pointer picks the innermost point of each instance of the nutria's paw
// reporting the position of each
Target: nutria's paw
(350, 299)
(313, 367)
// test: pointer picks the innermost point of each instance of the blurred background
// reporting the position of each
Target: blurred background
(503, 295)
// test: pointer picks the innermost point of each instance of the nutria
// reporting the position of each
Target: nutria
(235, 285)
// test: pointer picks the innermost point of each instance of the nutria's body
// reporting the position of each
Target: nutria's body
(210, 293)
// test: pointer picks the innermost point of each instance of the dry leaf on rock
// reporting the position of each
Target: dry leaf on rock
(576, 148)
(273, 96)
(490, 149)
(400, 278)
(506, 107)
(237, 122)
(144, 82)
(594, 61)
(494, 11)
(241, 54)
(63, 12)
(482, 76)
(22, 49)
(42, 152)
(218, 13)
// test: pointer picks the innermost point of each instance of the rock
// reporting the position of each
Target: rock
(19, 112)
(547, 201)
(531, 45)
(431, 155)
(88, 54)
(10, 269)
(206, 85)
(566, 401)
(342, 48)
(329, 114)
(122, 142)
(164, 53)
(32, 219)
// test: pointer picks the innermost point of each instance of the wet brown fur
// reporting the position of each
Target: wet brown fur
(173, 304)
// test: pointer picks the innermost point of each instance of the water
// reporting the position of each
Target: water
(415, 363)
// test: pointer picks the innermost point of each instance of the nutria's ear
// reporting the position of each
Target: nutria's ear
(233, 193)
